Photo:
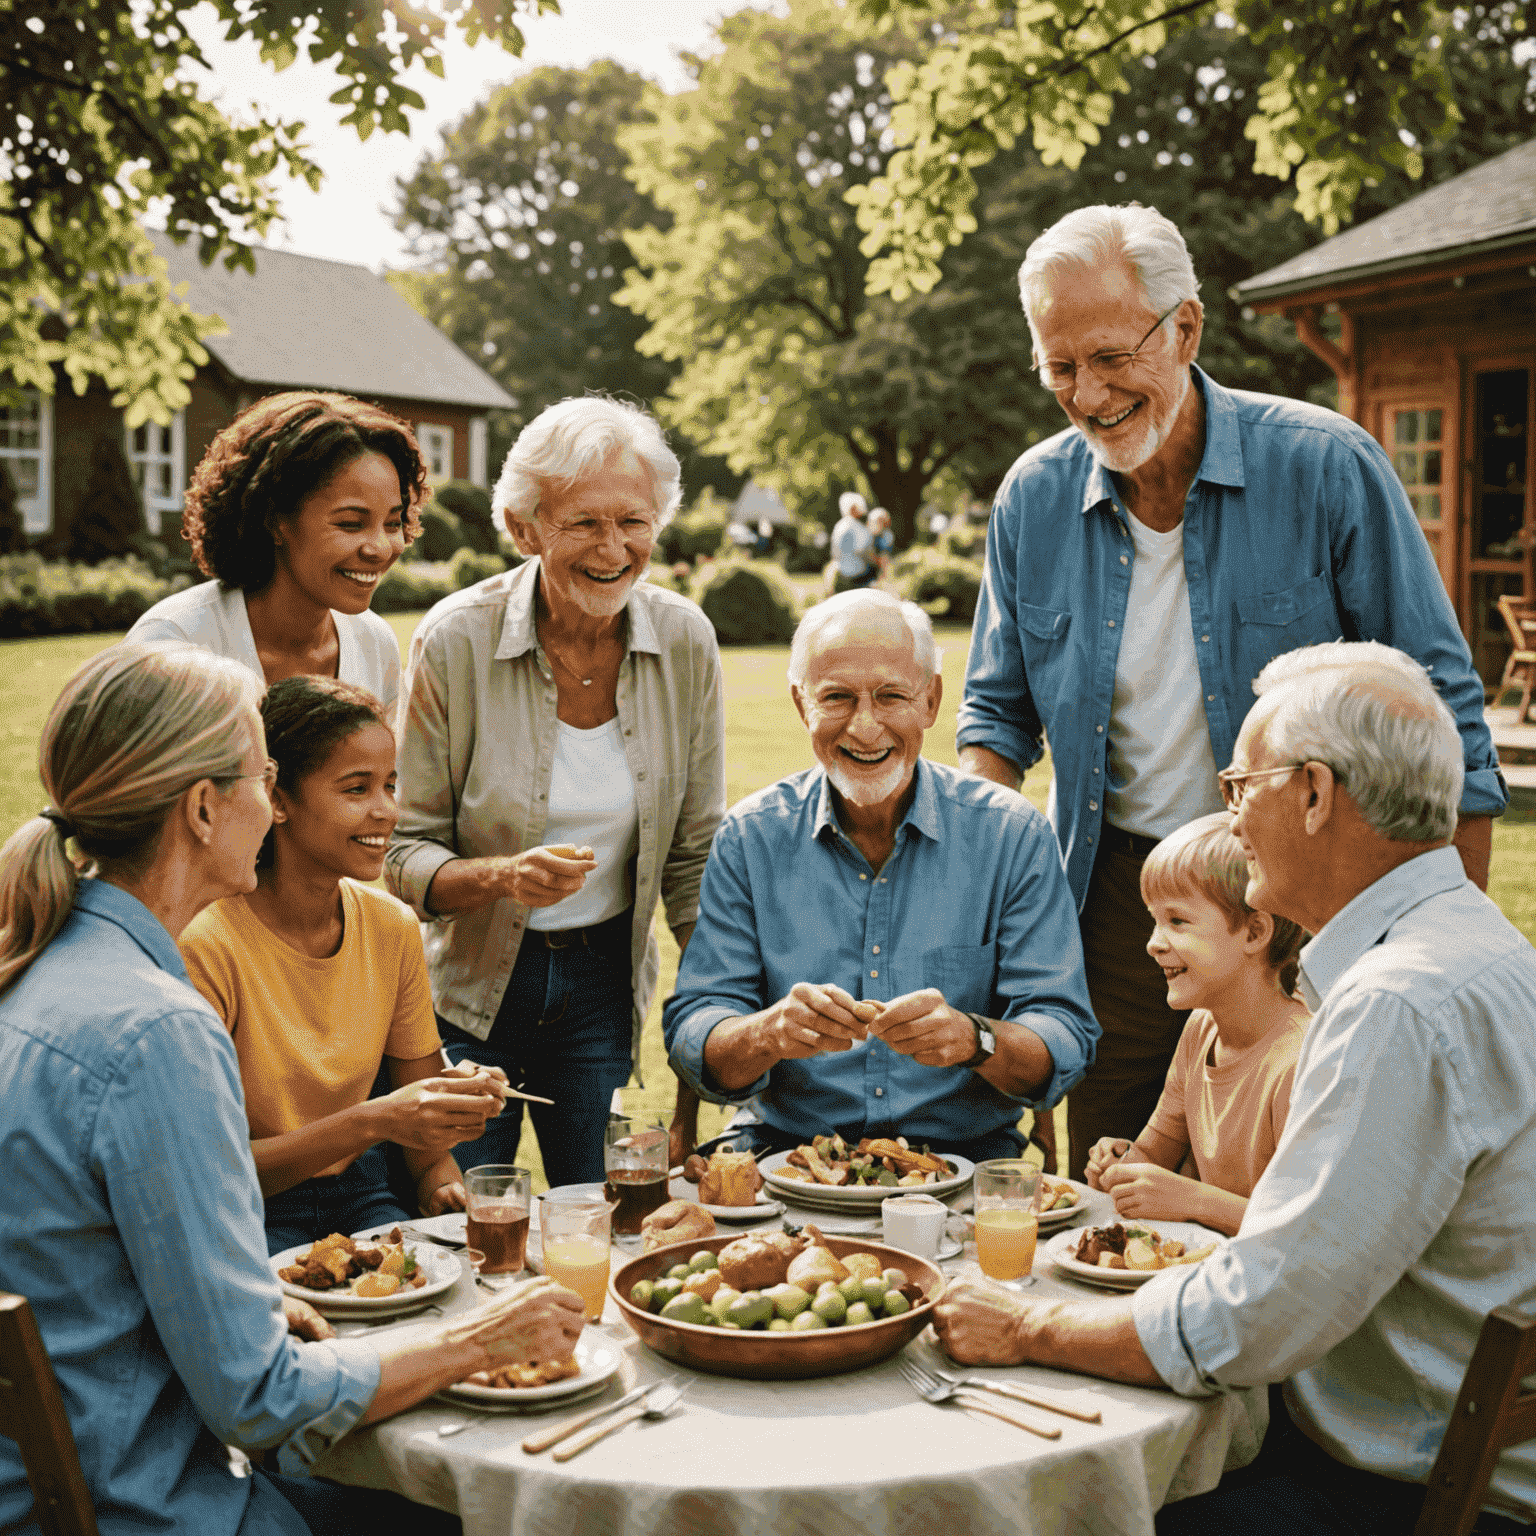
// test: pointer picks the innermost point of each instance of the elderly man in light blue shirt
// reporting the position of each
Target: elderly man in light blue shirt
(852, 543)
(1396, 1212)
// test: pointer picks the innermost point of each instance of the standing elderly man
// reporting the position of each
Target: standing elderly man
(881, 877)
(1142, 567)
(1396, 1212)
(852, 544)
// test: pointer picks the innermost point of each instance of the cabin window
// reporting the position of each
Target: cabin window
(1418, 458)
(157, 457)
(26, 451)
(436, 444)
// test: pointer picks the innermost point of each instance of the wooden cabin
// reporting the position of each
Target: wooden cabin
(1427, 316)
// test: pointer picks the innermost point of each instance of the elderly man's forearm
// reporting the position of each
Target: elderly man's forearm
(1021, 1066)
(738, 1051)
(987, 764)
(1068, 1336)
(466, 885)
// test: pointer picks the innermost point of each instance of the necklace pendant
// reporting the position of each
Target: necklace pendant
(586, 682)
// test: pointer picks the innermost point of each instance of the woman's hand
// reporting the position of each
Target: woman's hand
(304, 1322)
(434, 1114)
(1104, 1155)
(535, 1320)
(539, 877)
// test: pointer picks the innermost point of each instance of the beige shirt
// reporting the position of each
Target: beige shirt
(477, 749)
(1230, 1116)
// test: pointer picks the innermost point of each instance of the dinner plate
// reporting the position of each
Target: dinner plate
(1059, 1251)
(442, 1269)
(1051, 1219)
(598, 1358)
(765, 1207)
(835, 1197)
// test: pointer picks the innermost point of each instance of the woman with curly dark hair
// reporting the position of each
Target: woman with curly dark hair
(298, 508)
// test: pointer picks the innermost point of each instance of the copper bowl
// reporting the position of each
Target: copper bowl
(776, 1356)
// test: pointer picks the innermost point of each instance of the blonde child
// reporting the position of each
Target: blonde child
(1228, 1091)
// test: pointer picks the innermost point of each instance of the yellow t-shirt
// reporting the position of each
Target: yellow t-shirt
(310, 1034)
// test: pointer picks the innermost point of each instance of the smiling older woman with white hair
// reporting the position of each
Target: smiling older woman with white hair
(561, 768)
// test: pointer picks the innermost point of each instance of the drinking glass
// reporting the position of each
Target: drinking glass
(635, 1165)
(1006, 1222)
(577, 1235)
(496, 1209)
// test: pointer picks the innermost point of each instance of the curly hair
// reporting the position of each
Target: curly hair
(306, 719)
(259, 469)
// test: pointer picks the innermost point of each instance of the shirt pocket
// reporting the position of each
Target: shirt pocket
(1272, 623)
(1042, 639)
(966, 974)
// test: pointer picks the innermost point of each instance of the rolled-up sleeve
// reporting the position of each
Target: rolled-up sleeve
(196, 1245)
(425, 838)
(703, 804)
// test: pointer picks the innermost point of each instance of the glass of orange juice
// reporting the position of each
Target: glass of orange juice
(1006, 1222)
(576, 1229)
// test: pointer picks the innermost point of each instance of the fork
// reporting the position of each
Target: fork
(1007, 1389)
(657, 1404)
(936, 1391)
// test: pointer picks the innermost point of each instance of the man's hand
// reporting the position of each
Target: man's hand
(434, 1114)
(981, 1324)
(923, 1026)
(445, 1198)
(810, 1021)
(1104, 1154)
(536, 1320)
(539, 877)
(1149, 1193)
(304, 1322)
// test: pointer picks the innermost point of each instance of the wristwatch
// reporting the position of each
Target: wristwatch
(986, 1042)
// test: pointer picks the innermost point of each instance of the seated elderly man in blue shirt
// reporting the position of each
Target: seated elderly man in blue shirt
(1396, 1212)
(881, 876)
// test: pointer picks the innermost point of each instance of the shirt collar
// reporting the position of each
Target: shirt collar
(922, 815)
(519, 635)
(1222, 462)
(1361, 925)
(113, 904)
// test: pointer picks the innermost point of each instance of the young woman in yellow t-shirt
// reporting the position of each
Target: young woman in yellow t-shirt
(319, 977)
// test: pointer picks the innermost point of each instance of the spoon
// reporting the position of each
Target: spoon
(657, 1405)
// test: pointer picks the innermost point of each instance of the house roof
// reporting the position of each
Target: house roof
(1489, 207)
(302, 322)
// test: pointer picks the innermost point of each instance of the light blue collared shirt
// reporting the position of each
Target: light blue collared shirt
(1396, 1212)
(972, 901)
(130, 1218)
(1296, 531)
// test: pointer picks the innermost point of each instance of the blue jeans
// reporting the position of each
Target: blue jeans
(563, 1031)
(291, 1506)
(357, 1197)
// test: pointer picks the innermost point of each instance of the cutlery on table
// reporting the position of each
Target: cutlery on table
(546, 1438)
(1019, 1394)
(661, 1401)
(936, 1391)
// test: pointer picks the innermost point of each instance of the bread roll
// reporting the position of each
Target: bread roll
(678, 1221)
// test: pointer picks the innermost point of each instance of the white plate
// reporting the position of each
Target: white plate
(834, 1196)
(1059, 1251)
(597, 1357)
(678, 1188)
(442, 1268)
(1067, 1212)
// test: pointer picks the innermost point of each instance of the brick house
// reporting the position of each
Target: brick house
(298, 323)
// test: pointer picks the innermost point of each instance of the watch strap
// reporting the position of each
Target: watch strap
(981, 1056)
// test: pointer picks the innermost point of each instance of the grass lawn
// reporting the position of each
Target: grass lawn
(764, 741)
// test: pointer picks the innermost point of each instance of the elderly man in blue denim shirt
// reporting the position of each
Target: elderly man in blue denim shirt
(1142, 567)
(881, 877)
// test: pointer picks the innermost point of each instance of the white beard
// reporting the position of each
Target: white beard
(869, 789)
(1126, 457)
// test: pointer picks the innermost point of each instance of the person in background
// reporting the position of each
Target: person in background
(130, 1214)
(319, 978)
(1396, 1212)
(562, 767)
(298, 508)
(1229, 1088)
(851, 544)
(1142, 567)
(882, 543)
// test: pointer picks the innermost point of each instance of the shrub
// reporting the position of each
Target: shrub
(695, 534)
(441, 535)
(110, 513)
(469, 566)
(805, 556)
(964, 539)
(13, 532)
(749, 603)
(471, 505)
(43, 598)
(946, 586)
(409, 586)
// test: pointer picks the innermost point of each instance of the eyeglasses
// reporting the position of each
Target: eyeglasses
(1056, 375)
(1234, 785)
(884, 702)
(268, 776)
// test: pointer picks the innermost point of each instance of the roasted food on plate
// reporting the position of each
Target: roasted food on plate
(678, 1221)
(730, 1178)
(538, 1374)
(1056, 1194)
(337, 1263)
(880, 1160)
(1122, 1247)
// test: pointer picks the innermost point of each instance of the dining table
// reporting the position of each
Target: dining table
(859, 1454)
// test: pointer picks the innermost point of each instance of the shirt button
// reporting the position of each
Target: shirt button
(863, 877)
(1125, 559)
(1098, 728)
(874, 973)
(1111, 623)
(875, 949)
(1205, 639)
(1210, 698)
(641, 774)
(1093, 805)
(882, 879)
(1095, 772)
(879, 1093)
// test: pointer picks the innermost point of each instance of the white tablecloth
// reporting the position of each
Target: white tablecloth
(855, 1455)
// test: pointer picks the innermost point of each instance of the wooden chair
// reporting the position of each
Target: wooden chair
(32, 1414)
(1491, 1413)
(1520, 619)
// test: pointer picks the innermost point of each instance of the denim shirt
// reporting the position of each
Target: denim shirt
(972, 901)
(130, 1218)
(1296, 531)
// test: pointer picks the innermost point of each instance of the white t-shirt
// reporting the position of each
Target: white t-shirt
(1162, 772)
(592, 805)
(216, 619)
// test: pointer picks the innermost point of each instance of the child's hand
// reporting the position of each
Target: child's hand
(1105, 1153)
(1150, 1193)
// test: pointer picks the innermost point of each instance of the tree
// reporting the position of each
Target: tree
(1350, 95)
(756, 289)
(103, 121)
(111, 515)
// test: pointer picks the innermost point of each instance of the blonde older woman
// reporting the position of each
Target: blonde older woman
(561, 769)
(130, 1215)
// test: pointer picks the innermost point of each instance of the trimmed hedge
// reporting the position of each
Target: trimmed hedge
(58, 598)
(749, 602)
(946, 586)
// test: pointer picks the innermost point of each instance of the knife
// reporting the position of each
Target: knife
(542, 1442)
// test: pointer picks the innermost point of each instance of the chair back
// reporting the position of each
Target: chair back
(1491, 1413)
(1520, 620)
(32, 1414)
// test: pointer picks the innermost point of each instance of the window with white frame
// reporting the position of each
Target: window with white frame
(158, 458)
(26, 450)
(436, 444)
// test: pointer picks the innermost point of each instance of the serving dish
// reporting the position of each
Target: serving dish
(598, 1358)
(1059, 1251)
(776, 1356)
(828, 1197)
(441, 1267)
(1052, 1219)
